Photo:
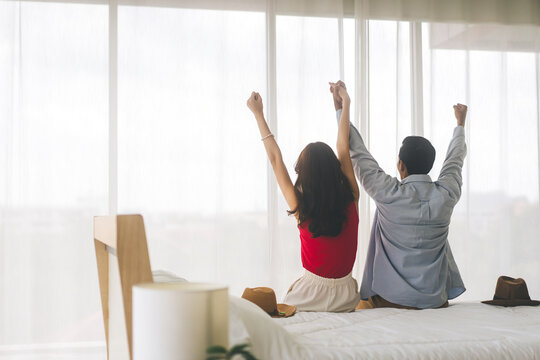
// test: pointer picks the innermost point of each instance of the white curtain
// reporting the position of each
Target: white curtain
(53, 161)
(495, 69)
(187, 155)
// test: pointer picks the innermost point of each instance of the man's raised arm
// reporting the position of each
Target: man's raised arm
(450, 177)
(379, 185)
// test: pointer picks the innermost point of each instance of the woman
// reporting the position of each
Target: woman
(324, 200)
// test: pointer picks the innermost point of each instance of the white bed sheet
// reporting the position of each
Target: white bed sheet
(461, 331)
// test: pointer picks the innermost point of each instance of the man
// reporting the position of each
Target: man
(409, 262)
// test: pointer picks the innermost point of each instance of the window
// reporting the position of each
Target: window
(53, 119)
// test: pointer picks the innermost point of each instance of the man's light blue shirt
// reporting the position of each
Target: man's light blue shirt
(409, 260)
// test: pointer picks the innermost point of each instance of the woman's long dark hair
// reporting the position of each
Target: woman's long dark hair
(322, 190)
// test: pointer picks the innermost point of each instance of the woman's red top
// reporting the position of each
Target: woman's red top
(327, 256)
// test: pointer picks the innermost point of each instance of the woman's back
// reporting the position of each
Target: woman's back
(331, 257)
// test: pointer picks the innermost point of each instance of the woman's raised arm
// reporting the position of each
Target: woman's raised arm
(343, 139)
(255, 104)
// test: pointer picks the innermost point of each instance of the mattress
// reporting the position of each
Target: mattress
(461, 331)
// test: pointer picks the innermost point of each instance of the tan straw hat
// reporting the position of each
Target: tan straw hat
(265, 298)
(511, 292)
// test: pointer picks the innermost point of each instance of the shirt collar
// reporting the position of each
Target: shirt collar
(416, 178)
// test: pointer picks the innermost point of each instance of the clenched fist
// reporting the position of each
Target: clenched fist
(254, 103)
(460, 111)
(334, 89)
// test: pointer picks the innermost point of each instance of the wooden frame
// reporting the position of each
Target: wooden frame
(122, 236)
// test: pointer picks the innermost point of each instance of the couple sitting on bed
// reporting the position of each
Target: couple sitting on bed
(409, 262)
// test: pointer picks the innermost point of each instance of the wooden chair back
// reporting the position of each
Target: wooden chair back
(121, 240)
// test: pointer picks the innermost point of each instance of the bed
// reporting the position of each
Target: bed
(461, 331)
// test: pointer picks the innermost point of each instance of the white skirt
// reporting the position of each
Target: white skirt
(315, 293)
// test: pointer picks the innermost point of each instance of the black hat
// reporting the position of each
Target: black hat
(417, 154)
(511, 292)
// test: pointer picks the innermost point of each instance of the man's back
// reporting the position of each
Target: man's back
(409, 260)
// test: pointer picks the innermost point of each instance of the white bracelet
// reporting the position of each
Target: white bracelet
(267, 136)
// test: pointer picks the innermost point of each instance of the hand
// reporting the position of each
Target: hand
(338, 102)
(460, 111)
(254, 103)
(343, 94)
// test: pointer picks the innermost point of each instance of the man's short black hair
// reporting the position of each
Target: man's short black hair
(417, 154)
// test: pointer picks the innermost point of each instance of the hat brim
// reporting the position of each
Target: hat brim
(514, 302)
(283, 311)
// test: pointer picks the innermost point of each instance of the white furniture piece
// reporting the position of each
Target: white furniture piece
(179, 321)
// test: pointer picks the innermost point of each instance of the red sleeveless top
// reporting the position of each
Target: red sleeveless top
(327, 256)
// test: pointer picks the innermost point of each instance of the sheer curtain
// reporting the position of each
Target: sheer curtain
(53, 160)
(494, 68)
(190, 159)
(182, 149)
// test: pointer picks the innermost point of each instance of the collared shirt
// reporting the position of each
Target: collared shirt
(409, 260)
